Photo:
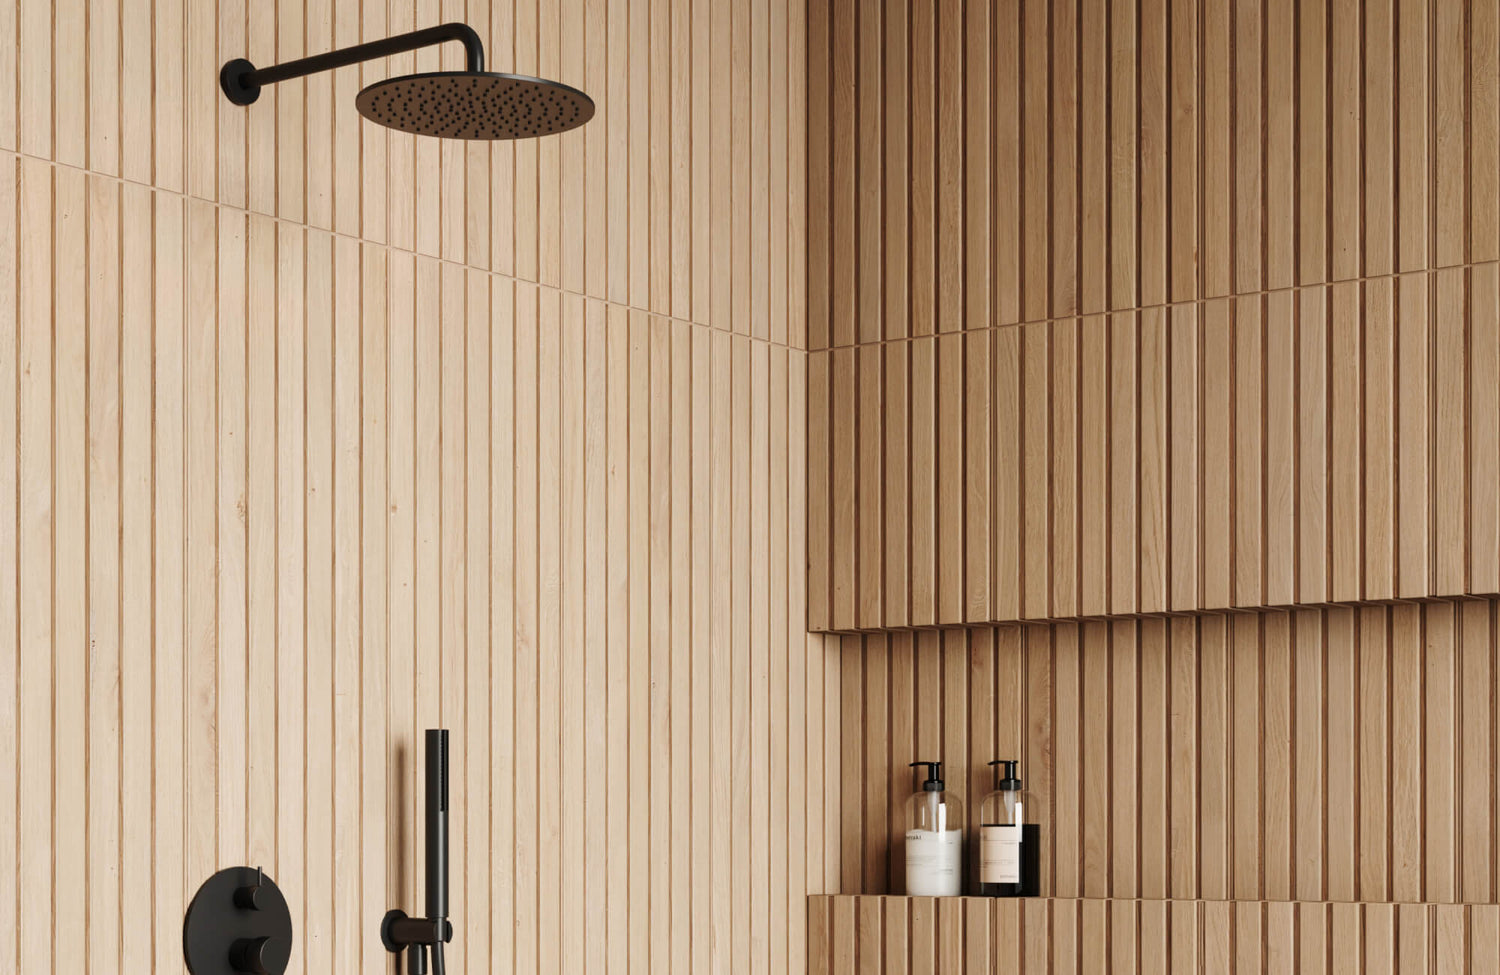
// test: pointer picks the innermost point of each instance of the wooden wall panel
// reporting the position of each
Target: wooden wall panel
(1070, 936)
(1302, 146)
(1311, 221)
(316, 435)
(1247, 756)
(1295, 448)
(620, 211)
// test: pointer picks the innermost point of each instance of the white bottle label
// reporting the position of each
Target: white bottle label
(932, 862)
(1000, 854)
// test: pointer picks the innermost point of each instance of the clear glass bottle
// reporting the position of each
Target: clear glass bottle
(934, 838)
(1002, 818)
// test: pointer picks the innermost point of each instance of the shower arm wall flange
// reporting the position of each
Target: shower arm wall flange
(242, 81)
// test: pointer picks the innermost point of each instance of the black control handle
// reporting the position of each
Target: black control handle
(248, 956)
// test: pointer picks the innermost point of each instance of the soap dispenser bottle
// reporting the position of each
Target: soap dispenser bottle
(1007, 842)
(934, 838)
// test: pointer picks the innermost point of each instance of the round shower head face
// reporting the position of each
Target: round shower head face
(475, 105)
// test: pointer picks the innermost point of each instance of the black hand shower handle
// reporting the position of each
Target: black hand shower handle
(398, 932)
(437, 823)
(242, 81)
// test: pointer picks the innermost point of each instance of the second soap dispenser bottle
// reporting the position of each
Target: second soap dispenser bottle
(1007, 842)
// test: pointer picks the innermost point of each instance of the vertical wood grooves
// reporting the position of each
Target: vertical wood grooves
(1070, 936)
(314, 435)
(1293, 730)
(1315, 207)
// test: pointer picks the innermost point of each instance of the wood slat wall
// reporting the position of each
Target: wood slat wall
(1338, 754)
(975, 165)
(1123, 314)
(1150, 305)
(1335, 443)
(635, 209)
(898, 935)
(314, 435)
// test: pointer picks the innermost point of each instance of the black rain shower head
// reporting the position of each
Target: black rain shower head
(475, 105)
(468, 104)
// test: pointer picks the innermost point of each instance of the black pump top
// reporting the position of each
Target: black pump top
(934, 782)
(1008, 780)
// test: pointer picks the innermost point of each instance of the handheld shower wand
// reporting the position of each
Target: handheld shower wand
(437, 837)
(399, 932)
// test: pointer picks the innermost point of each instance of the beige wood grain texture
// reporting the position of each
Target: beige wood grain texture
(1248, 451)
(1449, 24)
(1345, 62)
(949, 472)
(1484, 936)
(978, 475)
(1005, 567)
(1441, 753)
(846, 477)
(1387, 929)
(282, 497)
(1450, 441)
(1151, 436)
(1246, 826)
(297, 156)
(1070, 935)
(1378, 235)
(869, 505)
(1312, 447)
(1247, 141)
(1064, 936)
(1379, 438)
(1063, 151)
(1093, 474)
(9, 60)
(1312, 137)
(136, 484)
(1407, 738)
(1216, 199)
(1124, 461)
(1096, 799)
(1219, 755)
(1063, 467)
(1412, 405)
(1308, 810)
(32, 217)
(1093, 158)
(1124, 762)
(1413, 20)
(1483, 362)
(1035, 459)
(1279, 439)
(1476, 716)
(1217, 472)
(1346, 411)
(923, 524)
(1128, 155)
(1374, 688)
(1276, 753)
(896, 430)
(1183, 440)
(820, 491)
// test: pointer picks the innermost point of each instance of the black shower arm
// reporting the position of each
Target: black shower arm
(242, 80)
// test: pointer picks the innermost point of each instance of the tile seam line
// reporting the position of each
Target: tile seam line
(393, 248)
(1167, 306)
